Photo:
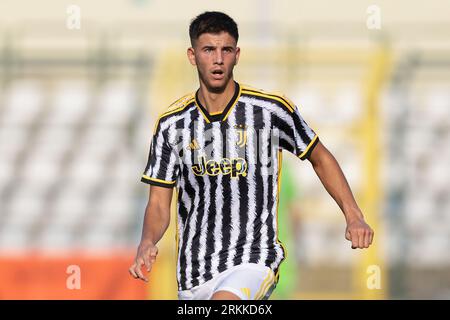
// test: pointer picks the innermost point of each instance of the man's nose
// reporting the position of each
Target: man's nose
(218, 57)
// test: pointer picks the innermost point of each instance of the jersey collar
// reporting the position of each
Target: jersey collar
(224, 114)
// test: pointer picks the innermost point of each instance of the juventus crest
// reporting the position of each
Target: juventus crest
(242, 134)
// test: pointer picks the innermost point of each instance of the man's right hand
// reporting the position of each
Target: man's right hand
(146, 255)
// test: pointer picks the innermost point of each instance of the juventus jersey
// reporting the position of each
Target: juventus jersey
(226, 168)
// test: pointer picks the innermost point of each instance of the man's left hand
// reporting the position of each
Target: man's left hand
(359, 233)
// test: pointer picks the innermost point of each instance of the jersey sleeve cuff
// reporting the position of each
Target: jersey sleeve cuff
(158, 182)
(305, 154)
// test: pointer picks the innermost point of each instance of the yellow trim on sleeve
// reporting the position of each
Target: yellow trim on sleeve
(158, 180)
(309, 146)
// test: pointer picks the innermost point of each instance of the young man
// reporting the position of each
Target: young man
(221, 148)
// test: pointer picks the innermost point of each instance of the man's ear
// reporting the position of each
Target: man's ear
(191, 56)
(238, 53)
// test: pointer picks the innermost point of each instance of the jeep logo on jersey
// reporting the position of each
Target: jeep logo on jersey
(234, 166)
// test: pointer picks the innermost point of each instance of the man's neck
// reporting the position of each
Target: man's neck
(216, 102)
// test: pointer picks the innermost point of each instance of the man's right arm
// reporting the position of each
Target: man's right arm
(156, 221)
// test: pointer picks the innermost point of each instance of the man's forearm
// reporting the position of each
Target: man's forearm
(156, 221)
(334, 181)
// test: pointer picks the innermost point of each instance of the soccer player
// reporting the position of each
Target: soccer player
(221, 148)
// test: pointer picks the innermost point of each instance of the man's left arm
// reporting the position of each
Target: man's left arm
(334, 181)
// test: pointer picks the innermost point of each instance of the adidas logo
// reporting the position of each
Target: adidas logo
(193, 145)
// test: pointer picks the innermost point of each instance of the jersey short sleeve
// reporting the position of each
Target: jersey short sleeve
(301, 138)
(162, 165)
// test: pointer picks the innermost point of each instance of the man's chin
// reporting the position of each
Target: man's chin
(217, 86)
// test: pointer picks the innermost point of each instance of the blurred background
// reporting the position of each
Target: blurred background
(78, 101)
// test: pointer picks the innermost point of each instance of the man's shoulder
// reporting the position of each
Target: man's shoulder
(180, 103)
(175, 108)
(178, 106)
(276, 97)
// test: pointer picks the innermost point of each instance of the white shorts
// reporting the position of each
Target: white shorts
(249, 281)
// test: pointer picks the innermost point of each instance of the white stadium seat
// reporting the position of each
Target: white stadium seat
(71, 102)
(23, 102)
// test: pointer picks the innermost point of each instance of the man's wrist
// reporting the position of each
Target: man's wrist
(353, 214)
(146, 242)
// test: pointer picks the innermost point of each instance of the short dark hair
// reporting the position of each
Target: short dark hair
(212, 22)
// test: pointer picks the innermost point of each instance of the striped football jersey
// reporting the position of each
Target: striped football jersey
(226, 169)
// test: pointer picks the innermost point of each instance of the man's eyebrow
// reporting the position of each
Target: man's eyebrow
(210, 46)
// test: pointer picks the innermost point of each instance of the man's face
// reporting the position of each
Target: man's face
(215, 55)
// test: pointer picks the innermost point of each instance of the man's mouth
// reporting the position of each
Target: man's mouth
(218, 74)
